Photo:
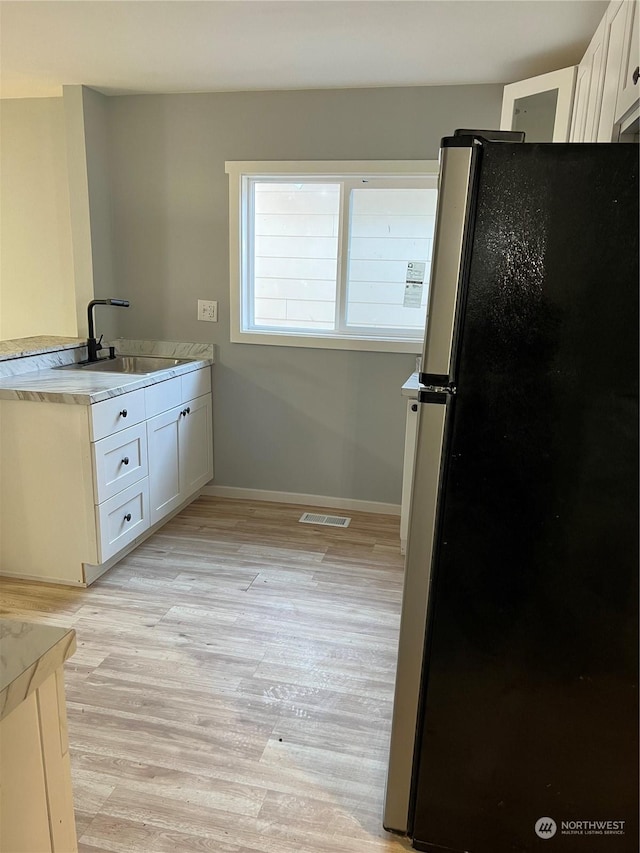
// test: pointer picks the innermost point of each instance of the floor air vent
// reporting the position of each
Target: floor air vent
(330, 520)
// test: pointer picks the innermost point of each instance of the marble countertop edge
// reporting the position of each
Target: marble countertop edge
(37, 345)
(29, 654)
(45, 383)
(85, 389)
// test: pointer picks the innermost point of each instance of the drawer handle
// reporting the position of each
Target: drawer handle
(125, 461)
(123, 413)
(127, 517)
(636, 76)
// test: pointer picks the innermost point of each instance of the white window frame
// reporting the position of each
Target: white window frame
(240, 172)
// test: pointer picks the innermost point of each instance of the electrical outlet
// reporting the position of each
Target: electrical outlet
(207, 310)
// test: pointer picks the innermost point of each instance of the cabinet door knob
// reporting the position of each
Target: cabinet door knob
(123, 413)
(127, 517)
(636, 75)
(188, 410)
(414, 407)
(125, 461)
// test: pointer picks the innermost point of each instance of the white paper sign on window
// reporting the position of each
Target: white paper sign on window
(414, 284)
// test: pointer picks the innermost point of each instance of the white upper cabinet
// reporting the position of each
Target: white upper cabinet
(606, 87)
(597, 102)
(540, 106)
(615, 23)
(629, 87)
(588, 94)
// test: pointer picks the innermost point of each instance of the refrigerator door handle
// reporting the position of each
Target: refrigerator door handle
(437, 393)
(431, 431)
(455, 199)
(433, 395)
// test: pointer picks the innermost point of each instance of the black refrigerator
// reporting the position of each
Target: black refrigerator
(515, 724)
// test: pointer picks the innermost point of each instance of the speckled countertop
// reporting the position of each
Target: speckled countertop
(20, 347)
(38, 379)
(29, 654)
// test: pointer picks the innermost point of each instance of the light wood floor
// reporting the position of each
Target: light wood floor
(233, 684)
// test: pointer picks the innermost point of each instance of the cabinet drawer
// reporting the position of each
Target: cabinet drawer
(119, 461)
(116, 414)
(121, 518)
(163, 396)
(196, 383)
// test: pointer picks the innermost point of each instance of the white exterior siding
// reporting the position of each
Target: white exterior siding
(295, 254)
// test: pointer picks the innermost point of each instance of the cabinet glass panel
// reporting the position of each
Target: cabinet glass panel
(540, 106)
(536, 115)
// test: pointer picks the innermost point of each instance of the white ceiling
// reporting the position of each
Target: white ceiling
(185, 46)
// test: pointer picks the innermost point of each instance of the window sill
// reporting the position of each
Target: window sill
(324, 341)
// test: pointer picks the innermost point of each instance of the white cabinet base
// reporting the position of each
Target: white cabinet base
(74, 489)
(36, 799)
(92, 573)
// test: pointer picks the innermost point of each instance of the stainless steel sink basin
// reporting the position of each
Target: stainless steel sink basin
(137, 364)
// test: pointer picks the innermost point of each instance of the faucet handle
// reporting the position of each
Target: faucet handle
(99, 344)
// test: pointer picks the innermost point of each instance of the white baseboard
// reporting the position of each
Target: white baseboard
(303, 500)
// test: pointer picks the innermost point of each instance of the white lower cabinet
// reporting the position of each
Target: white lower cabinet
(80, 484)
(164, 460)
(196, 453)
(119, 461)
(180, 454)
(122, 519)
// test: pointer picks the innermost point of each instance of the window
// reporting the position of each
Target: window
(331, 254)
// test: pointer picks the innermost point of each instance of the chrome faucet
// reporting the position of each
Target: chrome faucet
(94, 346)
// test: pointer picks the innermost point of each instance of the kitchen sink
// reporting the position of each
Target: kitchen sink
(136, 364)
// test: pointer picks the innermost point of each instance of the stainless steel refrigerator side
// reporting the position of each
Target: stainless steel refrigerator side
(413, 619)
(453, 200)
(454, 191)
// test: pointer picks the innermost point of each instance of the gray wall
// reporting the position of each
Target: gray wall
(325, 422)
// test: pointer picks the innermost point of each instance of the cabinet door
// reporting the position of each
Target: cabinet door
(616, 21)
(163, 440)
(583, 81)
(629, 90)
(196, 445)
(588, 97)
(540, 106)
